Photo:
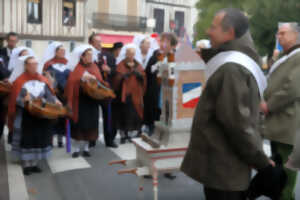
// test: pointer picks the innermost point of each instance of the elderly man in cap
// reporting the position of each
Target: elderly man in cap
(225, 142)
(281, 105)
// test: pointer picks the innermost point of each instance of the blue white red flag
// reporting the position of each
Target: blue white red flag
(190, 94)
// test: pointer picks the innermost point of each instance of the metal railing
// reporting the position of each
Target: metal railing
(119, 22)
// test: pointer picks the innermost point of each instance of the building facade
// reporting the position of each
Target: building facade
(178, 16)
(71, 21)
(120, 18)
(41, 21)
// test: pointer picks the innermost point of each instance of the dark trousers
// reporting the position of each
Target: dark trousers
(214, 194)
(2, 123)
(3, 112)
(109, 128)
(284, 151)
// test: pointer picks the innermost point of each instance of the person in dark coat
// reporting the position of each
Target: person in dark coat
(12, 40)
(107, 66)
(225, 140)
(152, 109)
(4, 74)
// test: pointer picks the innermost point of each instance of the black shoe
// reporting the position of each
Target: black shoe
(75, 155)
(112, 145)
(129, 139)
(170, 176)
(36, 169)
(60, 144)
(92, 144)
(123, 140)
(9, 138)
(148, 177)
(138, 134)
(27, 171)
(86, 154)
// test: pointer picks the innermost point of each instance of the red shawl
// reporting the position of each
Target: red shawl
(73, 85)
(16, 89)
(131, 86)
(54, 61)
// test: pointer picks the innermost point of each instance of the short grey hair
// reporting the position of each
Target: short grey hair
(236, 19)
(295, 27)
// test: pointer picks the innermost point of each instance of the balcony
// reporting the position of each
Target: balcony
(119, 22)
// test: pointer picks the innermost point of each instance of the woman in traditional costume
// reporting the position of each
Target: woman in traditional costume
(129, 83)
(12, 64)
(146, 46)
(31, 138)
(55, 65)
(85, 109)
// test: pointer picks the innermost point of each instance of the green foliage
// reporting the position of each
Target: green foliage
(264, 17)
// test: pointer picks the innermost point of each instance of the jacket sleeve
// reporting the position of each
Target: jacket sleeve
(287, 94)
(237, 115)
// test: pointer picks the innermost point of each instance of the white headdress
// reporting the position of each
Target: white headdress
(15, 55)
(137, 40)
(76, 54)
(203, 44)
(50, 51)
(19, 68)
(122, 54)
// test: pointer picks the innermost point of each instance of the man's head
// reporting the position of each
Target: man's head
(288, 35)
(31, 65)
(168, 42)
(228, 24)
(12, 40)
(117, 48)
(87, 57)
(95, 41)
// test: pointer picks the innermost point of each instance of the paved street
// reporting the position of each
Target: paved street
(65, 178)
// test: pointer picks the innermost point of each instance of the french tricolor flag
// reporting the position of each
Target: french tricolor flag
(190, 94)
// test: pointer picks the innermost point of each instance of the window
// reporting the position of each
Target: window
(159, 16)
(179, 21)
(34, 11)
(69, 10)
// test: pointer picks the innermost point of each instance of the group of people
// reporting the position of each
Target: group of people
(125, 69)
(238, 106)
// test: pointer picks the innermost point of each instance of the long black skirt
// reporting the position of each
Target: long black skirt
(86, 128)
(33, 140)
(127, 118)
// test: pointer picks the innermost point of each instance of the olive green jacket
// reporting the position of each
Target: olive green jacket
(283, 100)
(225, 141)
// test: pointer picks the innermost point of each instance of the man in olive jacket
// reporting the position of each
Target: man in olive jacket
(225, 142)
(282, 106)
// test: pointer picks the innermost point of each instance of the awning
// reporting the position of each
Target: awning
(108, 39)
